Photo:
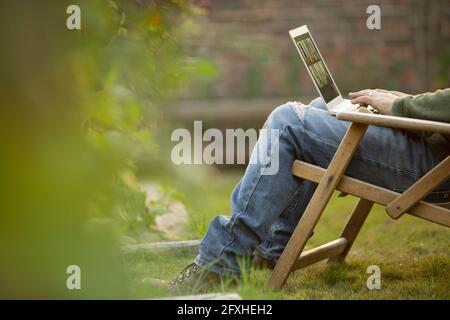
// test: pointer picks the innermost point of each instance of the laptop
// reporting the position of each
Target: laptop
(319, 72)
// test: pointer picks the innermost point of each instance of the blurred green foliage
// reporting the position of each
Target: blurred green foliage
(78, 107)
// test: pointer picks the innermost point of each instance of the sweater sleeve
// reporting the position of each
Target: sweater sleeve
(428, 106)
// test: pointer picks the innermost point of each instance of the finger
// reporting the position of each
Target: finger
(395, 93)
(359, 93)
(362, 100)
(383, 90)
(398, 93)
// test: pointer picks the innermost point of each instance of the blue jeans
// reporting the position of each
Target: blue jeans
(267, 208)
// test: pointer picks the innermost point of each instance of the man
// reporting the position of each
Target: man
(266, 208)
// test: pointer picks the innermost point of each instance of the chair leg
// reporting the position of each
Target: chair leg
(317, 204)
(353, 226)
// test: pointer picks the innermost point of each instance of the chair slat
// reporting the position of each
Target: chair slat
(423, 210)
(327, 250)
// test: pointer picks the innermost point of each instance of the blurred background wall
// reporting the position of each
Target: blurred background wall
(258, 67)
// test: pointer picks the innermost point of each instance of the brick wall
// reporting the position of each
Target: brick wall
(249, 43)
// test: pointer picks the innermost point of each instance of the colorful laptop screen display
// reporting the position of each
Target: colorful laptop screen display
(314, 63)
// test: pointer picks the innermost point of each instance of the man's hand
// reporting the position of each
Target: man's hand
(380, 99)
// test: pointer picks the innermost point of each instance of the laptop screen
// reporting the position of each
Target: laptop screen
(317, 67)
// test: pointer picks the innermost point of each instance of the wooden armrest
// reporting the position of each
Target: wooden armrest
(395, 122)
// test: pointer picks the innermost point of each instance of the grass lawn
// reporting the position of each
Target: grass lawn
(413, 255)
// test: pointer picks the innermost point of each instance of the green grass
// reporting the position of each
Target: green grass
(413, 255)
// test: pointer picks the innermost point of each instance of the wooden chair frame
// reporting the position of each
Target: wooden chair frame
(293, 257)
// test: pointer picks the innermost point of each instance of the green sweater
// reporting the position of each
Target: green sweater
(428, 106)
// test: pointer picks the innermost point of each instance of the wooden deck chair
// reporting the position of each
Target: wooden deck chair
(410, 201)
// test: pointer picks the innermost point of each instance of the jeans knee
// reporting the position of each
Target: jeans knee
(281, 116)
(318, 103)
